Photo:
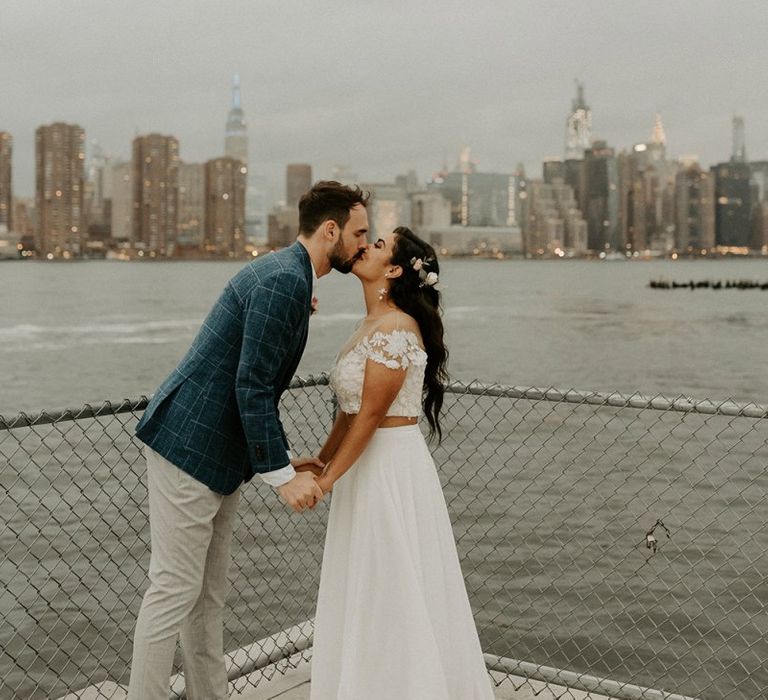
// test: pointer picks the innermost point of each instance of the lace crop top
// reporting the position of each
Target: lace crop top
(397, 349)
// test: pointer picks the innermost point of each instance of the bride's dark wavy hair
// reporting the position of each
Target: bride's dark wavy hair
(422, 302)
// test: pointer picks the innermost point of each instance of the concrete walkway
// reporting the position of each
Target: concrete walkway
(294, 685)
(289, 680)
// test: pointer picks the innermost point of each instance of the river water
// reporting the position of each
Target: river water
(71, 333)
(549, 502)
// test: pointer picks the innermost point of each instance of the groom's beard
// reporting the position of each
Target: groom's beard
(341, 263)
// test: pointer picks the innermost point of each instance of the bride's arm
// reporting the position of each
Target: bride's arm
(380, 388)
(332, 442)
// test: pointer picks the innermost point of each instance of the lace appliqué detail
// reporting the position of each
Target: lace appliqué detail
(398, 349)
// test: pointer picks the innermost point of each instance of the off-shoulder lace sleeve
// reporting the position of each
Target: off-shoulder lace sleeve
(396, 349)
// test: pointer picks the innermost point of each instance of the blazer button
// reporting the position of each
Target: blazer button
(259, 452)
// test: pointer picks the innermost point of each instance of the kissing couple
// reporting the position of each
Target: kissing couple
(393, 619)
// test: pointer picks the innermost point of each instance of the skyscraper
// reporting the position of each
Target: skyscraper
(236, 136)
(759, 240)
(298, 179)
(739, 154)
(553, 169)
(155, 193)
(225, 186)
(695, 208)
(733, 193)
(466, 165)
(660, 174)
(658, 136)
(409, 182)
(389, 208)
(98, 167)
(759, 171)
(634, 198)
(573, 174)
(578, 127)
(600, 198)
(479, 199)
(429, 210)
(646, 194)
(6, 193)
(282, 224)
(191, 204)
(520, 202)
(121, 202)
(255, 209)
(733, 205)
(24, 220)
(236, 146)
(97, 202)
(283, 220)
(60, 180)
(554, 222)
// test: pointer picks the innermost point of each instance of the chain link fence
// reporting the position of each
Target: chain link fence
(611, 544)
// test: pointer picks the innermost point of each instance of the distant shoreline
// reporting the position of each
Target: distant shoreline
(479, 258)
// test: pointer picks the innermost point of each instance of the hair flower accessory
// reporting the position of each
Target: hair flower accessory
(427, 278)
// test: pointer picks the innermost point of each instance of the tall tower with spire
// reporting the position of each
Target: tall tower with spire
(658, 136)
(236, 138)
(656, 148)
(578, 128)
(739, 154)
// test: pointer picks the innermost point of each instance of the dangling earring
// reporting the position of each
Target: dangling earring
(383, 290)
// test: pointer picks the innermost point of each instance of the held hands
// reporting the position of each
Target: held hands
(316, 467)
(308, 464)
(301, 492)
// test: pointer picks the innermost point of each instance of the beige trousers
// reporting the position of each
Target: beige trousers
(191, 532)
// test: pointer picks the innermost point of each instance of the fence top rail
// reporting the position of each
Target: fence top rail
(112, 408)
(657, 402)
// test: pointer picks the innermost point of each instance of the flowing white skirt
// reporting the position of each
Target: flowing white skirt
(393, 618)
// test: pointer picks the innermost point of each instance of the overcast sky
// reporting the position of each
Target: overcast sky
(384, 85)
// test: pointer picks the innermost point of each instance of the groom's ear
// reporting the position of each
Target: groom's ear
(329, 228)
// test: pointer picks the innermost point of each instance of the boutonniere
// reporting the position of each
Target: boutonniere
(315, 304)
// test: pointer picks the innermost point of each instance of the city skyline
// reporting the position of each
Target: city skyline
(382, 97)
(593, 201)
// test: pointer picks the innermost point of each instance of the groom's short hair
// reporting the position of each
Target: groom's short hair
(328, 199)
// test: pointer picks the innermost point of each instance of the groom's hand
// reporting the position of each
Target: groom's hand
(301, 492)
(308, 464)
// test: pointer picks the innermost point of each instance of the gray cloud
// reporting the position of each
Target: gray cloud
(384, 86)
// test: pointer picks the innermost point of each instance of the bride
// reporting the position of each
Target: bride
(393, 618)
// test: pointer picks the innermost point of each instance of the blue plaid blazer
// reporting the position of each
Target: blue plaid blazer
(216, 416)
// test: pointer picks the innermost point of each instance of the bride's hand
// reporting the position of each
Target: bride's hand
(308, 464)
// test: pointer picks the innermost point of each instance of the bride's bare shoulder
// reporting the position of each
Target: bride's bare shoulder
(397, 320)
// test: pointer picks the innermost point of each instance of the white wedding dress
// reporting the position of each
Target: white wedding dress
(393, 619)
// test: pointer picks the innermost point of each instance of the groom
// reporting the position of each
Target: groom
(212, 425)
